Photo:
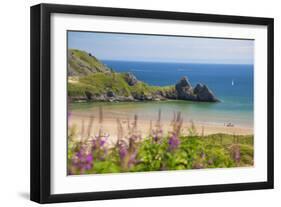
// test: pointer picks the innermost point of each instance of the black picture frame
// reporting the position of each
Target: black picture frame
(41, 102)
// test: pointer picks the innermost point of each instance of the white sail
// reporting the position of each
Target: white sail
(232, 83)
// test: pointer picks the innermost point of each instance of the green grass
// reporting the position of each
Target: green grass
(101, 83)
(91, 60)
(84, 63)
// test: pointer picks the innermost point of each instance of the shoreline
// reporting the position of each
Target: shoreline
(109, 126)
(196, 111)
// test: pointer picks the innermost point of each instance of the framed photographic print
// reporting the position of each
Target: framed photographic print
(132, 103)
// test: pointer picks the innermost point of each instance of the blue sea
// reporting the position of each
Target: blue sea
(232, 84)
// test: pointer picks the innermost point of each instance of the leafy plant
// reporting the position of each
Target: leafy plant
(157, 151)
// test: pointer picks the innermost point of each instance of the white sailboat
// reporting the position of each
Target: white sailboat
(232, 83)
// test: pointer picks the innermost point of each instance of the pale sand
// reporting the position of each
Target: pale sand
(109, 126)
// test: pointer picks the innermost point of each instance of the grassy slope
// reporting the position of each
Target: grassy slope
(101, 83)
(81, 63)
(102, 79)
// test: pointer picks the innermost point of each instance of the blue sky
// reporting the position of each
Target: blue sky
(112, 46)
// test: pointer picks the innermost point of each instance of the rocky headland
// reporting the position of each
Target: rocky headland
(90, 80)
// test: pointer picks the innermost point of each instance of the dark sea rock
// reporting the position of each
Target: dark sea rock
(89, 95)
(131, 79)
(184, 83)
(199, 93)
(184, 90)
(110, 94)
(198, 88)
(142, 97)
(203, 93)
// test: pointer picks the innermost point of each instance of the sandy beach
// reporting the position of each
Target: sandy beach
(109, 126)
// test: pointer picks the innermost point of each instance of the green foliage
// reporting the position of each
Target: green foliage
(141, 88)
(194, 152)
(247, 154)
(105, 82)
(101, 83)
(79, 89)
(152, 155)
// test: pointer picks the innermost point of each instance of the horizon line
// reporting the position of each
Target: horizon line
(151, 61)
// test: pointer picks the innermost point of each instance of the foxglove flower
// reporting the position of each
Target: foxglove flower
(132, 159)
(173, 142)
(157, 134)
(82, 160)
(123, 151)
(99, 141)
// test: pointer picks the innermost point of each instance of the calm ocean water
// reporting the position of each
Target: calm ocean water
(232, 84)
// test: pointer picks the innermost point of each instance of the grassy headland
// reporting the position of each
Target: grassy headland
(90, 80)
